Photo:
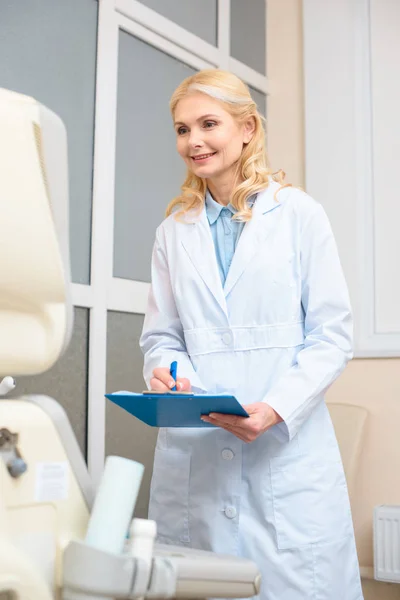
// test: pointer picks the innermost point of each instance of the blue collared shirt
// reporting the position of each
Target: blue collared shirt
(225, 232)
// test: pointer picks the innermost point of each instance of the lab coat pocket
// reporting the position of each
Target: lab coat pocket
(169, 495)
(282, 286)
(310, 501)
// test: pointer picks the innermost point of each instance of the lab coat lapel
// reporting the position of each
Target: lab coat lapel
(253, 235)
(199, 245)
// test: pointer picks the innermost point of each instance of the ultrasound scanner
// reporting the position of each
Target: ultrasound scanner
(60, 537)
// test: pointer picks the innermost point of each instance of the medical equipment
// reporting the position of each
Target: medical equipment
(6, 385)
(51, 546)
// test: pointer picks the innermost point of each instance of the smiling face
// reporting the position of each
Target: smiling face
(209, 139)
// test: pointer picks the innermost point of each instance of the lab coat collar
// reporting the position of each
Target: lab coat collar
(253, 236)
(213, 209)
(198, 243)
(266, 200)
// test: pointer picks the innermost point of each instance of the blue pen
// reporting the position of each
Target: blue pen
(172, 371)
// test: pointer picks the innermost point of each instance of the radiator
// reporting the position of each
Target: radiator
(387, 543)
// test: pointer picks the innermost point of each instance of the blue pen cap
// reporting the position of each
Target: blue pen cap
(173, 372)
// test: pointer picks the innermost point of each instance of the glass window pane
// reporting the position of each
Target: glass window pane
(260, 99)
(66, 381)
(248, 27)
(48, 51)
(125, 435)
(149, 171)
(199, 18)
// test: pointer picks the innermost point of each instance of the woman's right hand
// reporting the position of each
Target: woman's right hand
(163, 382)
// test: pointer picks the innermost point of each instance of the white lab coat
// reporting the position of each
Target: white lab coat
(279, 331)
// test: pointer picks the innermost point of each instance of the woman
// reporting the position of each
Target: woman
(249, 297)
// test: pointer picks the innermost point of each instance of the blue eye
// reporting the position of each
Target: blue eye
(209, 124)
(181, 130)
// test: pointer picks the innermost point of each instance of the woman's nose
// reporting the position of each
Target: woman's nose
(195, 140)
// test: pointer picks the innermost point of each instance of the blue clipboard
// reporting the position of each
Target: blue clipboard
(175, 409)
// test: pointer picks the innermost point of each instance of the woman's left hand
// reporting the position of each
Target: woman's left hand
(262, 417)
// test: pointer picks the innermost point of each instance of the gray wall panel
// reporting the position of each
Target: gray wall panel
(48, 51)
(199, 18)
(125, 435)
(260, 99)
(149, 171)
(248, 29)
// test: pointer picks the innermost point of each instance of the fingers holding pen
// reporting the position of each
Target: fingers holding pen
(162, 381)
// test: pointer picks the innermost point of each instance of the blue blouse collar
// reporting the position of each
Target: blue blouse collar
(213, 208)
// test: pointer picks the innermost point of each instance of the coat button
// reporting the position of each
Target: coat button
(230, 512)
(227, 338)
(227, 454)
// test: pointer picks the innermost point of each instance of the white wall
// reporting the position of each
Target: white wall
(340, 119)
(352, 149)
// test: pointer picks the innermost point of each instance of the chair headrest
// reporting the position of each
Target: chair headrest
(349, 421)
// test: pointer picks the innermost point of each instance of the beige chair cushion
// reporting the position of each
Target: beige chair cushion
(349, 422)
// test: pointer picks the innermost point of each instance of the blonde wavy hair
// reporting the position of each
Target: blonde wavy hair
(252, 170)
